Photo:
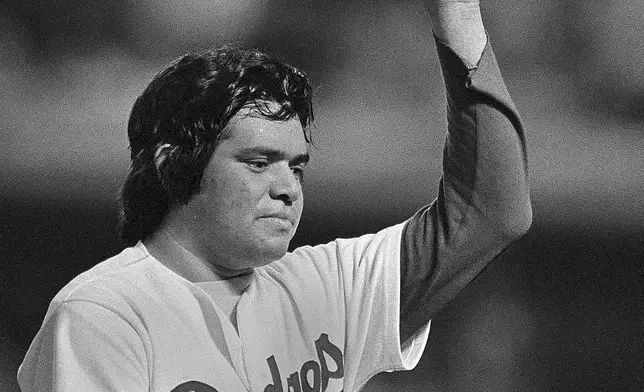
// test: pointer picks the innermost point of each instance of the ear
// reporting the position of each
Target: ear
(162, 152)
(176, 171)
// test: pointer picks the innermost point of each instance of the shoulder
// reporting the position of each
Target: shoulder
(130, 281)
(118, 267)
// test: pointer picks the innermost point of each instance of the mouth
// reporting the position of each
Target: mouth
(280, 221)
(279, 216)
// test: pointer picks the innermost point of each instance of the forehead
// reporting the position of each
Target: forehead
(249, 129)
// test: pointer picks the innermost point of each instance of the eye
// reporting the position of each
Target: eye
(298, 171)
(258, 164)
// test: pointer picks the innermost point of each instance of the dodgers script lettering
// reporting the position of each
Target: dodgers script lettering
(314, 376)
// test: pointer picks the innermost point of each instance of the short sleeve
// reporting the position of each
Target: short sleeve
(83, 346)
(370, 267)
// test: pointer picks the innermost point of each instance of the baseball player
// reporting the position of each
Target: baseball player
(207, 298)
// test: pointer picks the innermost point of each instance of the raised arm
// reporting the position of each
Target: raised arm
(483, 202)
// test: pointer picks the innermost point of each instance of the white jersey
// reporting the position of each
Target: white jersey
(323, 318)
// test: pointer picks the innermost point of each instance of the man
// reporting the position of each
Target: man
(208, 299)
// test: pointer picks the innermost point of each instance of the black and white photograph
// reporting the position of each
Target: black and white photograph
(321, 196)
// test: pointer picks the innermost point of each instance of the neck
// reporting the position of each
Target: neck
(177, 257)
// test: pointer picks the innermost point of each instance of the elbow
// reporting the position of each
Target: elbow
(516, 223)
(523, 223)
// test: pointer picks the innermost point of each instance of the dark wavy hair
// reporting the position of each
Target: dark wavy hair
(177, 121)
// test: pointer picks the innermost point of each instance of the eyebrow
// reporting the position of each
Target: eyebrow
(273, 154)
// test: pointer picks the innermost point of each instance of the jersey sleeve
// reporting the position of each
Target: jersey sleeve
(83, 346)
(370, 283)
(483, 202)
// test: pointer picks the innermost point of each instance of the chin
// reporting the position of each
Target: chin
(270, 254)
(265, 248)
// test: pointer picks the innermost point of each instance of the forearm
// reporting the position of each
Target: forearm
(484, 162)
(484, 165)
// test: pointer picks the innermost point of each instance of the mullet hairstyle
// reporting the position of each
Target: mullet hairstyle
(177, 122)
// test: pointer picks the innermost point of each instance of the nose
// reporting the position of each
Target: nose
(285, 185)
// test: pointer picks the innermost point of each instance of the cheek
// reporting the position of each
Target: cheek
(232, 198)
(238, 197)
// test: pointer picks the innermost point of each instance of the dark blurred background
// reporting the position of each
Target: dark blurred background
(560, 311)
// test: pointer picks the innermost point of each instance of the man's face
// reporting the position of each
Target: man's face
(251, 199)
